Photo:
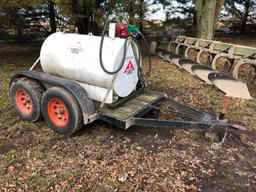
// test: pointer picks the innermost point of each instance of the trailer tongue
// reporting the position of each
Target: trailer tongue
(133, 111)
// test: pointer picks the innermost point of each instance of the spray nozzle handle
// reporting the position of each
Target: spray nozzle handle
(132, 29)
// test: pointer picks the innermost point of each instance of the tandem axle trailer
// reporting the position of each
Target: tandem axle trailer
(66, 106)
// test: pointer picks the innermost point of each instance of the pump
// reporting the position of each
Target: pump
(129, 32)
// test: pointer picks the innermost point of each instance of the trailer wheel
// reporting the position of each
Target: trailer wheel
(26, 95)
(61, 111)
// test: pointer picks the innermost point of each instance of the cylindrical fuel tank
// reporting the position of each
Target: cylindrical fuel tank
(76, 57)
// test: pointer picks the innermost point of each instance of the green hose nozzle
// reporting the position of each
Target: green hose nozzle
(132, 28)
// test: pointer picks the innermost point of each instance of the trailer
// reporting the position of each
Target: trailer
(71, 101)
(76, 88)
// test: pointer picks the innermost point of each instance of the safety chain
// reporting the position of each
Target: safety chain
(216, 145)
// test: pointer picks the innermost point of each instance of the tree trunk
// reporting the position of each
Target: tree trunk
(19, 33)
(19, 24)
(247, 5)
(207, 13)
(219, 5)
(80, 16)
(131, 10)
(52, 16)
(141, 10)
(198, 14)
(210, 15)
(98, 3)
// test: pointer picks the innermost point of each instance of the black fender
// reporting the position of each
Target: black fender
(85, 102)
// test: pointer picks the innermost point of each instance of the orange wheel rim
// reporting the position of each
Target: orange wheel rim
(58, 112)
(24, 101)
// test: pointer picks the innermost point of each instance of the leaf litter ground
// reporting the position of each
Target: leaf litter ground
(101, 157)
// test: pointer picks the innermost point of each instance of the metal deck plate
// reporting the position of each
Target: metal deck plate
(132, 107)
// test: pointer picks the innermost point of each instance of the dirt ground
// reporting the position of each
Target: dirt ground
(101, 157)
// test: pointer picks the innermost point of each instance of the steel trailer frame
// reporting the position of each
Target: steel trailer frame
(133, 109)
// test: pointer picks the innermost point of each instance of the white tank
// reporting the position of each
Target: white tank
(76, 57)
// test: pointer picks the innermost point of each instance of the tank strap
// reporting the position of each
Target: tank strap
(36, 62)
(109, 89)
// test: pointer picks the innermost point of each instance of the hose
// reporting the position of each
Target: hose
(135, 42)
(101, 47)
(148, 56)
(138, 59)
(147, 75)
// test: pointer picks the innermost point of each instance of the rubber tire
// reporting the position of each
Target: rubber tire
(75, 115)
(35, 90)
